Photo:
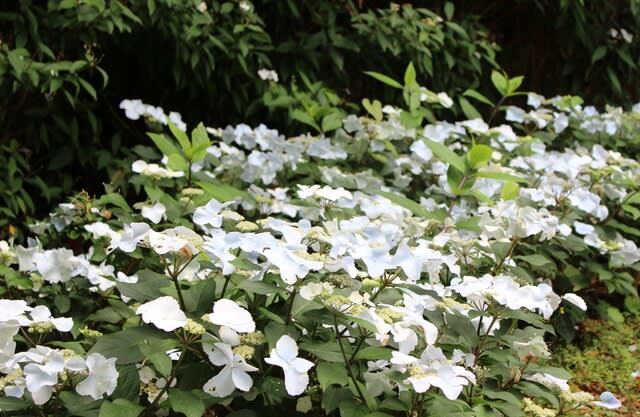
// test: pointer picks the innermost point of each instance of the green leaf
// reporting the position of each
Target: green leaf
(182, 137)
(113, 199)
(457, 181)
(374, 109)
(449, 9)
(120, 408)
(410, 205)
(327, 351)
(305, 118)
(479, 155)
(88, 88)
(223, 193)
(332, 373)
(17, 60)
(615, 81)
(128, 386)
(373, 353)
(534, 390)
(598, 54)
(390, 403)
(352, 409)
(410, 75)
(470, 223)
(200, 143)
(164, 144)
(125, 344)
(477, 96)
(510, 191)
(186, 402)
(468, 109)
(500, 82)
(11, 404)
(535, 260)
(62, 303)
(411, 120)
(514, 83)
(332, 121)
(257, 287)
(615, 315)
(501, 176)
(634, 212)
(160, 360)
(200, 297)
(147, 288)
(384, 79)
(176, 162)
(79, 405)
(446, 155)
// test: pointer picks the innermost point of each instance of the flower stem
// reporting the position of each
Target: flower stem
(290, 309)
(164, 389)
(514, 242)
(347, 362)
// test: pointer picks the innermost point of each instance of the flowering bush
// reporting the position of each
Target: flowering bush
(390, 269)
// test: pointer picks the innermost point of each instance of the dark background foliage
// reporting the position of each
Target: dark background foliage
(66, 64)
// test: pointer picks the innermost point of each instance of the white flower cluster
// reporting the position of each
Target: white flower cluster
(40, 369)
(398, 255)
(134, 109)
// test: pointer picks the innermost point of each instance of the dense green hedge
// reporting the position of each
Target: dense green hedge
(65, 66)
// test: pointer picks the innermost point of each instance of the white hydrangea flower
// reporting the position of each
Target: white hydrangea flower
(433, 369)
(154, 170)
(608, 400)
(285, 355)
(209, 215)
(102, 379)
(42, 314)
(228, 313)
(155, 213)
(128, 238)
(268, 75)
(164, 313)
(233, 375)
(56, 265)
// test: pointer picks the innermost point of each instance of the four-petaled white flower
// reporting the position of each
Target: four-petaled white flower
(228, 313)
(285, 355)
(164, 313)
(233, 375)
(127, 240)
(102, 379)
(209, 215)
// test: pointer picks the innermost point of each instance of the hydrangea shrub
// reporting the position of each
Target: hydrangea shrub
(401, 266)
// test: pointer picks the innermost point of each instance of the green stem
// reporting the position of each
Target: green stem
(164, 389)
(224, 286)
(363, 337)
(28, 338)
(514, 242)
(476, 351)
(183, 306)
(495, 109)
(290, 309)
(347, 362)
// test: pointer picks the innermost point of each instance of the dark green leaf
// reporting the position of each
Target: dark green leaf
(120, 408)
(384, 79)
(186, 402)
